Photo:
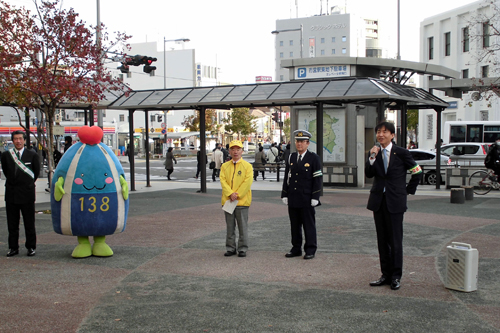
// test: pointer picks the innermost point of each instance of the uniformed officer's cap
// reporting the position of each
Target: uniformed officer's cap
(302, 135)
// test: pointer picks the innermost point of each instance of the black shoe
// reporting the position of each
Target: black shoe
(309, 256)
(12, 253)
(242, 254)
(291, 254)
(31, 252)
(229, 253)
(396, 284)
(380, 282)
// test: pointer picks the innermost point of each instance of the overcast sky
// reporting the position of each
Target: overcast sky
(236, 35)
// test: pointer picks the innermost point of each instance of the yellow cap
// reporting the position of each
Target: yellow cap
(236, 143)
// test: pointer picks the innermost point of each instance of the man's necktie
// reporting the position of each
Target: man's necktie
(385, 159)
(17, 154)
(300, 158)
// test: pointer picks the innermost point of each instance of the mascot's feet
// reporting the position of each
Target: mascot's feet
(100, 248)
(83, 249)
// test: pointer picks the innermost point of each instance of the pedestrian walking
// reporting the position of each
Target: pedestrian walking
(169, 162)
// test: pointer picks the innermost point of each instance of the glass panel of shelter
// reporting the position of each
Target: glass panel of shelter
(137, 98)
(239, 93)
(217, 94)
(157, 97)
(364, 88)
(176, 96)
(196, 95)
(286, 90)
(310, 89)
(262, 92)
(336, 88)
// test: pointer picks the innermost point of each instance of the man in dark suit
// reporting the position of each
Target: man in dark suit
(21, 167)
(389, 164)
(301, 191)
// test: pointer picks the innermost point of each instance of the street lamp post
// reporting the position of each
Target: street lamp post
(165, 112)
(301, 29)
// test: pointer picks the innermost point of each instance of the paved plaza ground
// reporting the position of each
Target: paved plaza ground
(168, 273)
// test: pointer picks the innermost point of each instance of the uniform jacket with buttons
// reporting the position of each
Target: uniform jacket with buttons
(394, 181)
(302, 180)
(19, 186)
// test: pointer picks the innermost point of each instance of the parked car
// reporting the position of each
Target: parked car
(466, 153)
(427, 160)
(251, 147)
(266, 147)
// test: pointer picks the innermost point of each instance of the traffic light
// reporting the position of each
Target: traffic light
(147, 67)
(276, 116)
(159, 118)
(124, 68)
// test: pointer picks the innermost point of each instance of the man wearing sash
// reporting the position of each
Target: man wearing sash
(21, 167)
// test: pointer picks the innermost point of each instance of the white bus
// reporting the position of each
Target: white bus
(471, 131)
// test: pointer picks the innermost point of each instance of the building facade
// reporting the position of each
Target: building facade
(456, 39)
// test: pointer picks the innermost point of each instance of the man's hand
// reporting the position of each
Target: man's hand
(314, 202)
(124, 185)
(233, 196)
(58, 189)
(285, 200)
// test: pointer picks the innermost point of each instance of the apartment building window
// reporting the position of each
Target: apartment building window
(486, 34)
(322, 40)
(485, 71)
(282, 77)
(344, 38)
(281, 55)
(291, 54)
(122, 117)
(465, 73)
(281, 43)
(465, 39)
(333, 51)
(291, 42)
(333, 39)
(344, 51)
(430, 44)
(322, 52)
(447, 44)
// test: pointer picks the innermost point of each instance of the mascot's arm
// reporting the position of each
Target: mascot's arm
(58, 189)
(124, 185)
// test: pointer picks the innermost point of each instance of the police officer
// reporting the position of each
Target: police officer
(301, 191)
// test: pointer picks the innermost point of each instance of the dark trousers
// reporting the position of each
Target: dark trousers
(256, 173)
(390, 241)
(215, 173)
(169, 172)
(14, 212)
(303, 218)
(198, 170)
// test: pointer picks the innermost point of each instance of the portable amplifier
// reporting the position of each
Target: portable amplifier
(461, 267)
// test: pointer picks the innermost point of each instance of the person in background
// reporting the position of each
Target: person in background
(218, 158)
(198, 160)
(68, 141)
(236, 182)
(169, 162)
(272, 154)
(225, 153)
(258, 165)
(21, 168)
(286, 153)
(492, 160)
(301, 191)
(389, 164)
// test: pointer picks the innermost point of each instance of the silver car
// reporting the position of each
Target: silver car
(466, 153)
(427, 160)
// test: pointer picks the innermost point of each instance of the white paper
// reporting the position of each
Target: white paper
(229, 206)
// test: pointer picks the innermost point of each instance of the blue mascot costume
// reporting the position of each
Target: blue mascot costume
(90, 194)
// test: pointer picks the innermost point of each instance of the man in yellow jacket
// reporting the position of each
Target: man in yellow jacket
(236, 178)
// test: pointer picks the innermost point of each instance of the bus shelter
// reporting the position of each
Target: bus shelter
(317, 93)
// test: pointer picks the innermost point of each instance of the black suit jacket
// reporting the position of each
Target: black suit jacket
(394, 182)
(300, 184)
(20, 187)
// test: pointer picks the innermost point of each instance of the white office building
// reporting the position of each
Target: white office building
(451, 39)
(332, 35)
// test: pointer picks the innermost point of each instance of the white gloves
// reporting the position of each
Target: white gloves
(314, 202)
(285, 200)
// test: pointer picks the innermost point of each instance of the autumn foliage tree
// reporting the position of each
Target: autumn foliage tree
(192, 122)
(51, 58)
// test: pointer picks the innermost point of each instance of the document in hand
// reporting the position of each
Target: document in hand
(229, 206)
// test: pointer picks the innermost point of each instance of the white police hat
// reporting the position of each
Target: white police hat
(302, 135)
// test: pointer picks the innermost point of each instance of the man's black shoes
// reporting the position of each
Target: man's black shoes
(291, 254)
(242, 254)
(12, 253)
(380, 282)
(309, 256)
(31, 252)
(396, 284)
(229, 253)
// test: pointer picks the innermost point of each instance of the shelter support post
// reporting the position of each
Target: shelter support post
(131, 149)
(86, 116)
(380, 110)
(438, 146)
(203, 150)
(404, 124)
(146, 148)
(319, 139)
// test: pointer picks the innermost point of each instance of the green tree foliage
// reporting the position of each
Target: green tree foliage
(240, 121)
(192, 122)
(412, 125)
(51, 58)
